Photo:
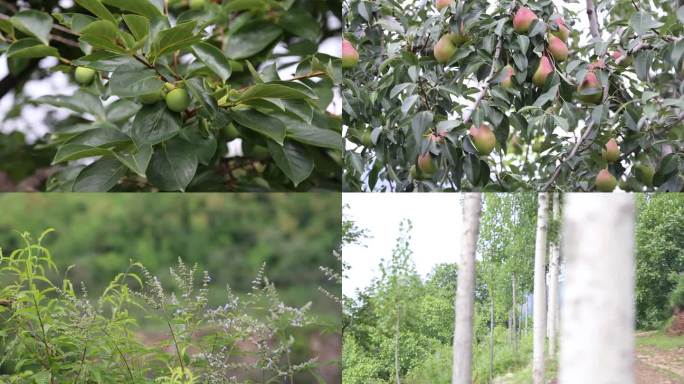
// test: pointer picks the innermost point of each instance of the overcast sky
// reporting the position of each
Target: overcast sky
(436, 231)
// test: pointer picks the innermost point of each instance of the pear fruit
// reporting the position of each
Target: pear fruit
(561, 31)
(508, 73)
(611, 153)
(84, 75)
(514, 145)
(622, 59)
(558, 49)
(444, 49)
(605, 181)
(350, 57)
(590, 90)
(483, 138)
(366, 139)
(425, 164)
(443, 4)
(522, 19)
(644, 173)
(543, 71)
(178, 100)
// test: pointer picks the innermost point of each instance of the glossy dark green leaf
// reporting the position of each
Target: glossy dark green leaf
(251, 39)
(278, 90)
(97, 9)
(179, 37)
(261, 123)
(81, 101)
(138, 25)
(103, 34)
(141, 7)
(213, 58)
(136, 159)
(154, 124)
(173, 165)
(34, 23)
(134, 79)
(100, 176)
(30, 48)
(293, 159)
(68, 152)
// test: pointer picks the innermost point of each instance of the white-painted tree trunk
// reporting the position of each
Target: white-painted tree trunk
(554, 264)
(465, 291)
(539, 310)
(597, 331)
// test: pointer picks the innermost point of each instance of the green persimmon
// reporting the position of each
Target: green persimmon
(84, 76)
(178, 100)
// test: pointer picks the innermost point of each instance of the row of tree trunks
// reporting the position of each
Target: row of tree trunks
(598, 250)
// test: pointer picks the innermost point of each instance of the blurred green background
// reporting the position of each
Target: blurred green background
(230, 235)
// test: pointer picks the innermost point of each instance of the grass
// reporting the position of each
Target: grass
(524, 376)
(661, 340)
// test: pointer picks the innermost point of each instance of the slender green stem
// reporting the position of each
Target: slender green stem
(175, 343)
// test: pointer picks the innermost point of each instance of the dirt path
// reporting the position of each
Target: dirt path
(659, 366)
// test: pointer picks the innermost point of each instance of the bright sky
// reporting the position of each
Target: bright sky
(435, 237)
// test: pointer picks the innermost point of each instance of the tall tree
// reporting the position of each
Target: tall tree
(465, 291)
(554, 265)
(598, 246)
(539, 314)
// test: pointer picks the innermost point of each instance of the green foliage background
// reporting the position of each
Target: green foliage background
(230, 235)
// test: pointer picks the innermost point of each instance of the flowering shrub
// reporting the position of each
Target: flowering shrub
(50, 333)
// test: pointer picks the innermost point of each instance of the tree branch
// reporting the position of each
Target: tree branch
(595, 33)
(487, 82)
(593, 21)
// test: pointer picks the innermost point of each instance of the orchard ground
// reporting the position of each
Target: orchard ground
(659, 359)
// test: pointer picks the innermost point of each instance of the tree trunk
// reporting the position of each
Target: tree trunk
(515, 315)
(554, 263)
(598, 308)
(465, 292)
(539, 313)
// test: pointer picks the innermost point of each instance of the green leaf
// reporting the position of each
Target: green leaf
(261, 123)
(100, 176)
(203, 96)
(172, 39)
(138, 25)
(34, 23)
(308, 134)
(81, 101)
(68, 152)
(301, 23)
(213, 58)
(292, 159)
(103, 34)
(251, 39)
(279, 90)
(642, 21)
(141, 7)
(173, 165)
(136, 159)
(104, 61)
(204, 147)
(106, 136)
(97, 9)
(121, 110)
(134, 79)
(154, 124)
(30, 48)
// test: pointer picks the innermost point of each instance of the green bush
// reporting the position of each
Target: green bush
(436, 369)
(677, 295)
(51, 332)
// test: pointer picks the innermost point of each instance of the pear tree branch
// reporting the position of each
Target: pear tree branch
(595, 33)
